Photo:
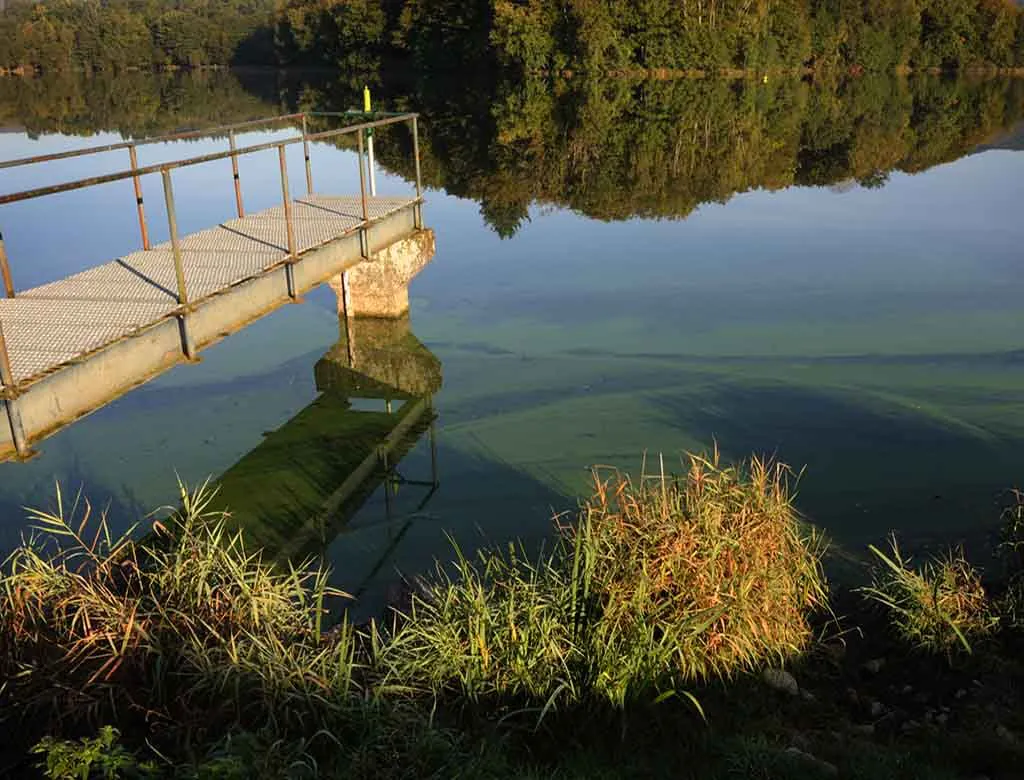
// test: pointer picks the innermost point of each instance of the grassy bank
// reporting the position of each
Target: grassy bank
(679, 625)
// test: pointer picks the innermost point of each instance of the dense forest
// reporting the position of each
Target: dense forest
(120, 34)
(617, 35)
(517, 35)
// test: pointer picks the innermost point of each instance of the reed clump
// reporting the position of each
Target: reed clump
(661, 583)
(939, 608)
(185, 629)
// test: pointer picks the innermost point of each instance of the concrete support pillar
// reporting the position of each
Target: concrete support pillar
(379, 287)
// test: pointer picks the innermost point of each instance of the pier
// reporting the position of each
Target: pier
(70, 346)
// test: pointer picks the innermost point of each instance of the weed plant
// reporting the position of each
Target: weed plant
(660, 584)
(941, 608)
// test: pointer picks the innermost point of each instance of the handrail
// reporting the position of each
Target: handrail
(9, 388)
(169, 166)
(185, 135)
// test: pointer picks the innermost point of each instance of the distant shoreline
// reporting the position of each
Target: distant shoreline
(660, 74)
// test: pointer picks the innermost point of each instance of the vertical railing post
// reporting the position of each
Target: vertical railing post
(6, 375)
(305, 150)
(179, 270)
(133, 155)
(289, 222)
(9, 393)
(232, 144)
(5, 269)
(363, 238)
(370, 157)
(433, 446)
(419, 183)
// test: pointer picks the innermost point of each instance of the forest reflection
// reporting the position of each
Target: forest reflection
(610, 148)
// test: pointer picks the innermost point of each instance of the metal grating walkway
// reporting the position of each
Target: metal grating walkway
(60, 322)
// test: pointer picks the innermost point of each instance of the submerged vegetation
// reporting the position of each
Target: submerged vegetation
(660, 604)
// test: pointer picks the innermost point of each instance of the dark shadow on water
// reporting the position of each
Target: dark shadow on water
(872, 466)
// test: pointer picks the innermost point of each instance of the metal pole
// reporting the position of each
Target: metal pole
(305, 149)
(362, 195)
(134, 157)
(172, 224)
(433, 452)
(5, 269)
(234, 170)
(416, 155)
(187, 347)
(387, 483)
(419, 184)
(368, 108)
(289, 223)
(6, 375)
(13, 415)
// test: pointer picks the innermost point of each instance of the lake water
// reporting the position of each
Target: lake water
(828, 273)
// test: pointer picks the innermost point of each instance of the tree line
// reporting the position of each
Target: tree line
(59, 35)
(134, 105)
(516, 35)
(622, 35)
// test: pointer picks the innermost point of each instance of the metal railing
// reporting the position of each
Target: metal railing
(234, 152)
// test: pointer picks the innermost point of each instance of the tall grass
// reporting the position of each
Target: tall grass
(187, 628)
(939, 608)
(660, 584)
(187, 637)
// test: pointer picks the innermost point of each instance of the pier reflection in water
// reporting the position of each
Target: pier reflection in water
(294, 493)
(373, 402)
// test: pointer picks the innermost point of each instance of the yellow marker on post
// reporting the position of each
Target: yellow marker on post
(368, 108)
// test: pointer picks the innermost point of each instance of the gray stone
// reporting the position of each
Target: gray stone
(877, 709)
(824, 767)
(781, 680)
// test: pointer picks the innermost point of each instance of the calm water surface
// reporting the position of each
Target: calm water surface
(694, 277)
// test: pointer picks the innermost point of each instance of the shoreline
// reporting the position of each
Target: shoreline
(479, 663)
(658, 74)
